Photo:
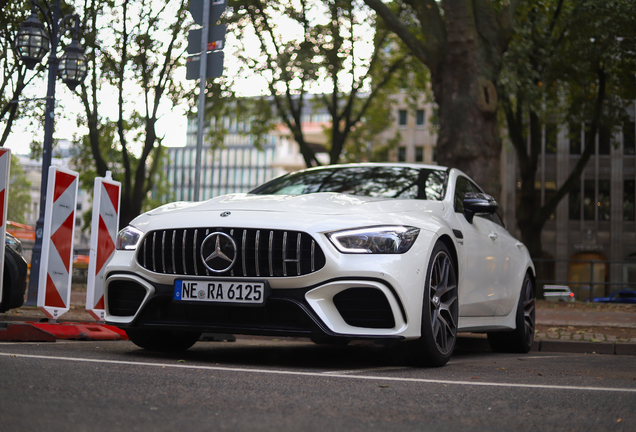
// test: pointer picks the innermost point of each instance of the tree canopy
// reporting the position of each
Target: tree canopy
(570, 64)
(139, 64)
(323, 55)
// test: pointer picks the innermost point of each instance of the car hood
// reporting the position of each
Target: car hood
(311, 209)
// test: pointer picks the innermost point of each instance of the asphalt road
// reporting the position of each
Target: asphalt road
(267, 385)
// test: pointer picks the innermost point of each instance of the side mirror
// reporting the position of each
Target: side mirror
(478, 203)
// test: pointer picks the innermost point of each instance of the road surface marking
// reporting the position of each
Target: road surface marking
(322, 375)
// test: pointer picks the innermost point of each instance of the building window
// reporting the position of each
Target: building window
(604, 135)
(629, 129)
(78, 206)
(575, 202)
(575, 138)
(550, 191)
(589, 200)
(419, 154)
(402, 117)
(419, 118)
(402, 154)
(603, 203)
(629, 200)
(550, 138)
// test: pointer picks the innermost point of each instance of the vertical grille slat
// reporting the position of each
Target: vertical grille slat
(284, 254)
(163, 252)
(172, 249)
(194, 252)
(258, 270)
(243, 252)
(298, 245)
(270, 254)
(313, 255)
(143, 250)
(183, 252)
(154, 261)
(207, 272)
(261, 252)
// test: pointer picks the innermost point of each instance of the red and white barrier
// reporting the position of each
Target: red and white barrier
(56, 265)
(104, 228)
(5, 167)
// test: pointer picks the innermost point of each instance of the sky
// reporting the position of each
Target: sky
(172, 124)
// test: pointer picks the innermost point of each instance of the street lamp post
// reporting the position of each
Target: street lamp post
(31, 45)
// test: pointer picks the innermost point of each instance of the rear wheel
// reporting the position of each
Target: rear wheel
(520, 339)
(439, 311)
(163, 340)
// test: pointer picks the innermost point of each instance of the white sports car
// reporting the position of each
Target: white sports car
(384, 252)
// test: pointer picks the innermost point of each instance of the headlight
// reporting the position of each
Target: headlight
(378, 240)
(128, 238)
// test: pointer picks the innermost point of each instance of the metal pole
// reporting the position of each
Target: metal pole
(47, 149)
(203, 69)
(591, 278)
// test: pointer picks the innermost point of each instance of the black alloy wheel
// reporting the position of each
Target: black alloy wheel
(519, 340)
(439, 311)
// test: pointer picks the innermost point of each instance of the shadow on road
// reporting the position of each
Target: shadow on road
(299, 354)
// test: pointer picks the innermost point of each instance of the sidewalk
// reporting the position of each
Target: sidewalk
(586, 327)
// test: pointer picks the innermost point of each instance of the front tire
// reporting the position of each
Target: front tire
(439, 311)
(520, 339)
(163, 340)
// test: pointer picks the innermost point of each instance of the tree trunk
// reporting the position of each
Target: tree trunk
(468, 136)
(464, 88)
(463, 46)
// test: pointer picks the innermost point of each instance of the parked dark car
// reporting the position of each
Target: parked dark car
(15, 272)
(623, 296)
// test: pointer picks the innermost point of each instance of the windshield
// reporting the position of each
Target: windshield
(371, 181)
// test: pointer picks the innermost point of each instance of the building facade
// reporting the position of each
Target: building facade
(591, 238)
(414, 125)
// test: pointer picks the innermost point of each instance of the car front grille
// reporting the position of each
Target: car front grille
(260, 252)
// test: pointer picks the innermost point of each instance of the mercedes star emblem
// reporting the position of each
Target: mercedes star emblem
(218, 252)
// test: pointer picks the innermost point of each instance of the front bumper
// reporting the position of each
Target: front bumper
(345, 308)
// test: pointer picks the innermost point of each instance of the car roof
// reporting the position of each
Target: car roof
(377, 164)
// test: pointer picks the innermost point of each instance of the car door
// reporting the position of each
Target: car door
(511, 267)
(479, 266)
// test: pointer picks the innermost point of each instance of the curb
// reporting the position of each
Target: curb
(481, 344)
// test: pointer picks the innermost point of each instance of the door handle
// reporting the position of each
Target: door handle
(493, 236)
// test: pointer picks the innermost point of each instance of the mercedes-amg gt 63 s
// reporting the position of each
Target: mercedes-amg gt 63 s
(393, 253)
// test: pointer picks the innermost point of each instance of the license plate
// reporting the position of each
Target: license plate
(219, 291)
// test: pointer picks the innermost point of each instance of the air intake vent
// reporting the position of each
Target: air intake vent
(124, 297)
(364, 307)
(260, 252)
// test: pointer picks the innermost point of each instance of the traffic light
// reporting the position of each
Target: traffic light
(213, 40)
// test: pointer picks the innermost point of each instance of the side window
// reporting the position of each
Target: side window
(462, 187)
